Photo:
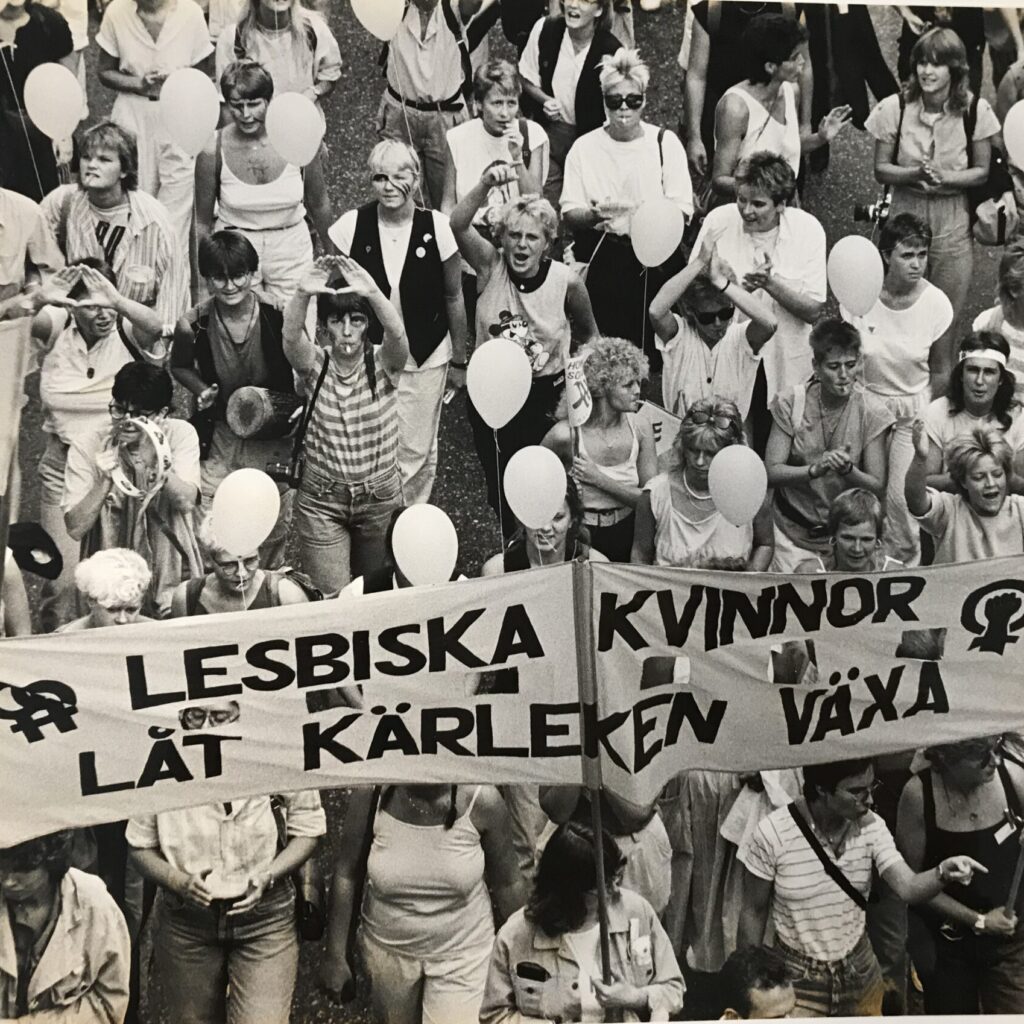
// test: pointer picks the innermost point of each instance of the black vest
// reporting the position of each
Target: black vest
(421, 287)
(589, 105)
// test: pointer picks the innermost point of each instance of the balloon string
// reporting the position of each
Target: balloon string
(501, 488)
(644, 344)
(593, 255)
(408, 129)
(22, 114)
(245, 602)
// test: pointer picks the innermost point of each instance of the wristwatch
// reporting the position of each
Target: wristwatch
(979, 924)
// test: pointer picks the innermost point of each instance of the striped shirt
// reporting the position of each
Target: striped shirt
(812, 915)
(148, 241)
(352, 435)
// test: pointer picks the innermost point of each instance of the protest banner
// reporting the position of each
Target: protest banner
(585, 673)
(664, 426)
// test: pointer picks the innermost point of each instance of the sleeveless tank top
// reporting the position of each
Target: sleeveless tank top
(425, 890)
(535, 318)
(680, 541)
(765, 133)
(985, 891)
(263, 598)
(624, 473)
(275, 205)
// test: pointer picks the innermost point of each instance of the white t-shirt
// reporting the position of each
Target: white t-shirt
(731, 365)
(584, 948)
(812, 915)
(184, 39)
(76, 14)
(942, 428)
(993, 320)
(896, 342)
(566, 75)
(598, 168)
(394, 250)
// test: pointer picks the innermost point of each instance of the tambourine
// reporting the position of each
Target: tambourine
(161, 463)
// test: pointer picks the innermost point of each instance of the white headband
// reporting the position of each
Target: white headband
(984, 353)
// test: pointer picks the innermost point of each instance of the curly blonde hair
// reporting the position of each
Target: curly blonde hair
(116, 576)
(613, 361)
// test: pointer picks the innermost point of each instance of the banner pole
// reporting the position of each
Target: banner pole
(586, 674)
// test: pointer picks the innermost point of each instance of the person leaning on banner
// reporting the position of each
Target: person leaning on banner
(967, 799)
(809, 866)
(234, 340)
(546, 963)
(64, 951)
(150, 508)
(981, 519)
(89, 330)
(225, 938)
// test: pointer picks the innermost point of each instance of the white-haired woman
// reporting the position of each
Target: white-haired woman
(413, 258)
(982, 519)
(235, 583)
(530, 299)
(615, 455)
(114, 583)
(292, 42)
(609, 172)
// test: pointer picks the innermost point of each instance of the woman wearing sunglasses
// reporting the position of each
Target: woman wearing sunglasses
(706, 352)
(760, 114)
(609, 172)
(828, 435)
(958, 805)
(255, 191)
(677, 522)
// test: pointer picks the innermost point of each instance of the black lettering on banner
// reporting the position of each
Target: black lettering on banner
(677, 628)
(485, 746)
(282, 674)
(415, 659)
(516, 636)
(543, 729)
(89, 778)
(712, 610)
(643, 727)
(164, 763)
(614, 619)
(703, 726)
(931, 692)
(756, 620)
(798, 719)
(896, 594)
(196, 671)
(138, 687)
(391, 733)
(433, 736)
(316, 740)
(597, 731)
(807, 614)
(444, 642)
(213, 763)
(307, 661)
(884, 696)
(863, 605)
(42, 703)
(834, 715)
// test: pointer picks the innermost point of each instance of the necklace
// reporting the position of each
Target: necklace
(709, 361)
(826, 440)
(964, 799)
(238, 342)
(694, 494)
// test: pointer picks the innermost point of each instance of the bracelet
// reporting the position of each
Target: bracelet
(457, 366)
(724, 288)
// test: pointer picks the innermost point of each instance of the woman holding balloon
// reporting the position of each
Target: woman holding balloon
(922, 152)
(256, 191)
(141, 42)
(681, 521)
(828, 435)
(906, 358)
(538, 304)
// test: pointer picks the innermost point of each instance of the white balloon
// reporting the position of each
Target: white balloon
(656, 229)
(380, 17)
(425, 545)
(189, 109)
(245, 509)
(1013, 134)
(295, 127)
(738, 483)
(855, 272)
(54, 100)
(498, 380)
(535, 485)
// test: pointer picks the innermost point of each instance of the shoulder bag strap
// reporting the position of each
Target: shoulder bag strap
(456, 28)
(300, 434)
(831, 869)
(1012, 797)
(899, 129)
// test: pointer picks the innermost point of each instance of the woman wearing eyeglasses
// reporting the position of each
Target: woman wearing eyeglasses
(609, 173)
(708, 350)
(958, 805)
(828, 435)
(255, 191)
(677, 522)
(232, 340)
(761, 113)
(809, 867)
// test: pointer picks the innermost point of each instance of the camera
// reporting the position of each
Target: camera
(287, 473)
(876, 212)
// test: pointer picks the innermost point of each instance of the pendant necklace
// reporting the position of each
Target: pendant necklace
(245, 334)
(709, 361)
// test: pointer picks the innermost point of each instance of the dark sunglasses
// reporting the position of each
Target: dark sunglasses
(634, 101)
(700, 418)
(723, 316)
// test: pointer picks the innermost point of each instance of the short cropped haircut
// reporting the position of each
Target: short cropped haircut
(144, 386)
(833, 333)
(822, 779)
(107, 135)
(768, 39)
(113, 576)
(853, 507)
(751, 969)
(248, 80)
(496, 75)
(542, 212)
(81, 289)
(769, 173)
(400, 152)
(904, 227)
(227, 254)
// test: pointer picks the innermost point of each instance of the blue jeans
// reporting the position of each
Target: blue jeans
(200, 952)
(851, 987)
(342, 527)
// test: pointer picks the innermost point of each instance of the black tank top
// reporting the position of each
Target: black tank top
(985, 891)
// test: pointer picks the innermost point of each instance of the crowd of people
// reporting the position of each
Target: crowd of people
(190, 316)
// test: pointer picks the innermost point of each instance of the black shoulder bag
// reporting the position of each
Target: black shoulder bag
(831, 869)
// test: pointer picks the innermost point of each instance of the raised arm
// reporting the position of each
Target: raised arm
(395, 349)
(478, 252)
(694, 95)
(299, 349)
(915, 489)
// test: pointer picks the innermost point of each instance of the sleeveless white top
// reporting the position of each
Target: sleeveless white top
(765, 133)
(272, 206)
(680, 541)
(625, 473)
